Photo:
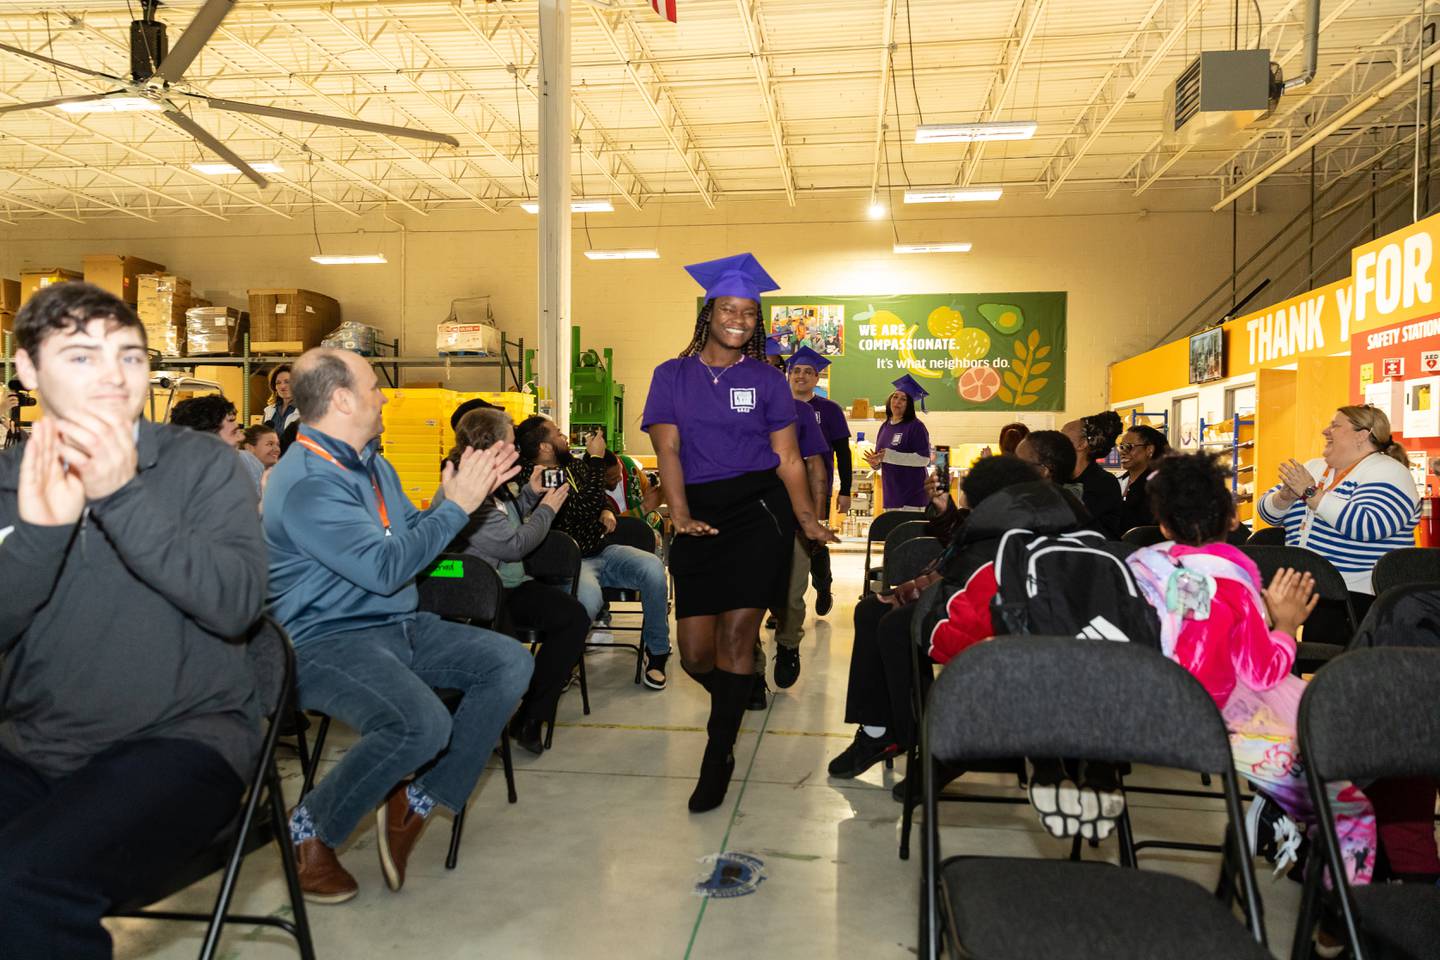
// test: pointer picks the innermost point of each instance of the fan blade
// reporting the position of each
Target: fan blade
(239, 107)
(39, 104)
(207, 139)
(193, 40)
(60, 63)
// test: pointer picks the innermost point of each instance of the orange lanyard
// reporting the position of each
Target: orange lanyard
(324, 454)
(1332, 482)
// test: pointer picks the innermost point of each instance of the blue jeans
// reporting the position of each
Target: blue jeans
(630, 568)
(382, 681)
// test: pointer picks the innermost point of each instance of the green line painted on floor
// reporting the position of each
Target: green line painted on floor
(734, 812)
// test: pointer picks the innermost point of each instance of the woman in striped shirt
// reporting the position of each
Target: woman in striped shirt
(1354, 504)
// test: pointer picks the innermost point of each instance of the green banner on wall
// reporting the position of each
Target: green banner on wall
(972, 351)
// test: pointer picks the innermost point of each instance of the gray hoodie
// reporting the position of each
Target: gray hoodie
(497, 534)
(123, 626)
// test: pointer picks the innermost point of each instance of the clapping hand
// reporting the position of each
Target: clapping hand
(1295, 478)
(1290, 598)
(555, 499)
(479, 474)
(50, 494)
(595, 444)
(99, 447)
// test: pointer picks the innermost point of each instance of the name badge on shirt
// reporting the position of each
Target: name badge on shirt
(742, 399)
(896, 439)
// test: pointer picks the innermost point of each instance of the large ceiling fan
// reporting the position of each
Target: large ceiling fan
(156, 75)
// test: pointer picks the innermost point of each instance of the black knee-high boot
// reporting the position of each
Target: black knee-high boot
(729, 693)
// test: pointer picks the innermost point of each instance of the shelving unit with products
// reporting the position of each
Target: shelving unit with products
(1234, 437)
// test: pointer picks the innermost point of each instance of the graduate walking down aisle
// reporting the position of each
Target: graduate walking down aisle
(722, 422)
(902, 448)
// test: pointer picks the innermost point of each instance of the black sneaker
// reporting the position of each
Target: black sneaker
(824, 600)
(787, 666)
(771, 623)
(758, 694)
(863, 753)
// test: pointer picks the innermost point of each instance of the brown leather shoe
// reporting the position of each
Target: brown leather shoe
(322, 878)
(397, 828)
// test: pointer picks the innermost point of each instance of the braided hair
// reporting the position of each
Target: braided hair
(754, 348)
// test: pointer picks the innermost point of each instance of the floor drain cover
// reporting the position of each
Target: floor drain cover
(730, 875)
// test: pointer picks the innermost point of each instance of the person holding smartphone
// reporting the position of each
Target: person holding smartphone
(722, 421)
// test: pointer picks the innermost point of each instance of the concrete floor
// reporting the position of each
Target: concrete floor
(600, 856)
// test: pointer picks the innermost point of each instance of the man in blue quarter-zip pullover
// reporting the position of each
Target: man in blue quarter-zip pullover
(131, 567)
(345, 548)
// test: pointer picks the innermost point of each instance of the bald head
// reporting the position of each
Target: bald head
(315, 378)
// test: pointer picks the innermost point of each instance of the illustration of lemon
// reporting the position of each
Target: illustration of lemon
(971, 344)
(945, 322)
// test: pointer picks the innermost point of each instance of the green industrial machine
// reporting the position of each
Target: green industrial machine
(596, 400)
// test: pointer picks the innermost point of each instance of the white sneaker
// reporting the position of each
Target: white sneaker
(1272, 834)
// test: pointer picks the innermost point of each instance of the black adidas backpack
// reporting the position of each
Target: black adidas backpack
(1068, 585)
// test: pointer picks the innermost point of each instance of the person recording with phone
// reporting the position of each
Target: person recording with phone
(588, 518)
(506, 528)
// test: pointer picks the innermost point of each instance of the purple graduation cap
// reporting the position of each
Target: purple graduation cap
(910, 387)
(737, 276)
(805, 357)
(773, 347)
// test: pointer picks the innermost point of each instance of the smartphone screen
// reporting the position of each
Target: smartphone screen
(942, 464)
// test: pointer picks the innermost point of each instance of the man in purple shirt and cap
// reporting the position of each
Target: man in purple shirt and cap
(805, 368)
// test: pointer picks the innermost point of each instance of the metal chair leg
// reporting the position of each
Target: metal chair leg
(584, 688)
(639, 662)
(507, 762)
(456, 830)
(292, 876)
(315, 754)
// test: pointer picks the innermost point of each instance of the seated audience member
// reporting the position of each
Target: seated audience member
(210, 414)
(878, 697)
(502, 532)
(1094, 437)
(1141, 449)
(474, 403)
(629, 491)
(345, 547)
(1238, 639)
(1353, 504)
(259, 451)
(1010, 436)
(1052, 453)
(128, 720)
(587, 518)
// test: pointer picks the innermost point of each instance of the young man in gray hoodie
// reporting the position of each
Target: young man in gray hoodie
(134, 567)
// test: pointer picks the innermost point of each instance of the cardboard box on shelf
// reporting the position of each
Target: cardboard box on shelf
(117, 274)
(9, 296)
(32, 281)
(302, 316)
(162, 301)
(215, 330)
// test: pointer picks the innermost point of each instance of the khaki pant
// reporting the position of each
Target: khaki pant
(791, 629)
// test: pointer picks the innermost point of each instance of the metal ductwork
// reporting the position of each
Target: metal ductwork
(1312, 46)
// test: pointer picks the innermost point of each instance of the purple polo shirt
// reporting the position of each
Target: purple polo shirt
(724, 426)
(903, 486)
(833, 426)
(807, 431)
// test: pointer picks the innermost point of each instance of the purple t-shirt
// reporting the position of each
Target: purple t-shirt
(833, 426)
(724, 427)
(903, 486)
(807, 431)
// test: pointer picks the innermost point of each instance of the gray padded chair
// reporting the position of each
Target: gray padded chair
(1116, 702)
(1267, 537)
(908, 560)
(880, 529)
(1406, 566)
(1146, 536)
(1368, 715)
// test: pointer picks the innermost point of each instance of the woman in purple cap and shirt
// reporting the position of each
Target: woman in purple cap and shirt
(722, 422)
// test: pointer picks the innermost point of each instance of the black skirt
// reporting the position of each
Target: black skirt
(746, 565)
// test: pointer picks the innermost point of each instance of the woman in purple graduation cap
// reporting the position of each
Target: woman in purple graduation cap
(722, 422)
(902, 448)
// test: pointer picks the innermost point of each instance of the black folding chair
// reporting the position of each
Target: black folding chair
(880, 528)
(260, 821)
(908, 560)
(1146, 536)
(457, 587)
(894, 540)
(556, 562)
(629, 532)
(1267, 537)
(1067, 697)
(1329, 628)
(1408, 565)
(1367, 715)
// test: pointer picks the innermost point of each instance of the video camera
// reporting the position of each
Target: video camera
(22, 397)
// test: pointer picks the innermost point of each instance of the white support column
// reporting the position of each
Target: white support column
(553, 361)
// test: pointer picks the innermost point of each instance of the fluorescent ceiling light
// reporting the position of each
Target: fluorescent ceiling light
(966, 132)
(332, 259)
(622, 254)
(877, 210)
(219, 169)
(111, 105)
(932, 248)
(957, 195)
(576, 206)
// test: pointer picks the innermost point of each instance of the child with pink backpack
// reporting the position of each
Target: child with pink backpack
(1237, 638)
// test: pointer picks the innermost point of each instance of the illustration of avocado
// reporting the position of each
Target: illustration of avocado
(1006, 318)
